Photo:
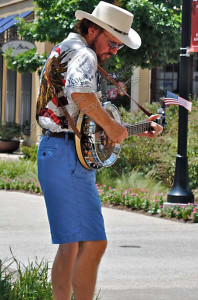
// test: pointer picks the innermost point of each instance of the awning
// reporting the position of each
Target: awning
(8, 22)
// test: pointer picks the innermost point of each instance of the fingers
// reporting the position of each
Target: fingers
(153, 117)
(156, 129)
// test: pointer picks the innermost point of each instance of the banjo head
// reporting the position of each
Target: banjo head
(97, 150)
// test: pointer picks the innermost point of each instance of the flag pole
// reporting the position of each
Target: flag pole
(180, 192)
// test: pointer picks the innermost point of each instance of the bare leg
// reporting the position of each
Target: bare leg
(62, 271)
(85, 269)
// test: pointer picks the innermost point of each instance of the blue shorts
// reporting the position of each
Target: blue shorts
(71, 197)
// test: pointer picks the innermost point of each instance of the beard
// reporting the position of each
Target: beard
(101, 60)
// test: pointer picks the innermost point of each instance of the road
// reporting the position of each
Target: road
(147, 258)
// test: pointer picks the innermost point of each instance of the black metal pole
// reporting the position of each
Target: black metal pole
(180, 192)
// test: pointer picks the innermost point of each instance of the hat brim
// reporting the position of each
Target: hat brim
(132, 39)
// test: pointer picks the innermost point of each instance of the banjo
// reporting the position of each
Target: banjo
(94, 148)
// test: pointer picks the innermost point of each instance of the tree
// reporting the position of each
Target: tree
(158, 23)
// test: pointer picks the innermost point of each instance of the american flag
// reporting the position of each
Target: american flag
(174, 99)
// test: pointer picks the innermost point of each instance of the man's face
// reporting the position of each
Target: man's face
(105, 45)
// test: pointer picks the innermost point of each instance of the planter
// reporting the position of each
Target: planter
(9, 146)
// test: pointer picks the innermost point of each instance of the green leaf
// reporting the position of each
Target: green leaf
(158, 23)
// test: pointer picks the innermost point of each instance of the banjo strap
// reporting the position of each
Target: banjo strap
(109, 78)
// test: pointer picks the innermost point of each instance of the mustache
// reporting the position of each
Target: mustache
(107, 53)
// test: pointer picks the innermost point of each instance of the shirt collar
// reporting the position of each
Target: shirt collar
(73, 35)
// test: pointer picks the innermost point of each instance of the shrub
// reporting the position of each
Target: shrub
(19, 175)
(178, 212)
(18, 169)
(187, 212)
(195, 215)
(156, 157)
(146, 205)
(8, 131)
(26, 282)
(171, 212)
(29, 152)
(155, 205)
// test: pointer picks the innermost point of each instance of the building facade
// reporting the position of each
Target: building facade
(18, 92)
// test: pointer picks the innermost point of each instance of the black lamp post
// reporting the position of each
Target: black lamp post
(180, 192)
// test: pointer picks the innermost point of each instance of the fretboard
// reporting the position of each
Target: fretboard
(138, 128)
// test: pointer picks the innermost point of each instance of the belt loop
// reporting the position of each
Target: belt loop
(48, 134)
(66, 138)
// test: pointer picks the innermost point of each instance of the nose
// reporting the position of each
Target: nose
(114, 50)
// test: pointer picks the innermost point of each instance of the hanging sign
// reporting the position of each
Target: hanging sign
(194, 27)
(17, 46)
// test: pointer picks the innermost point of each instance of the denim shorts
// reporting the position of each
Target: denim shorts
(71, 197)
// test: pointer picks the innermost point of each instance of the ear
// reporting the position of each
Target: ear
(92, 32)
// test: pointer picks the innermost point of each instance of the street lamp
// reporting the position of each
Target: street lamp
(180, 192)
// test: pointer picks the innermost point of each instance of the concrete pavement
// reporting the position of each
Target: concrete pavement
(147, 258)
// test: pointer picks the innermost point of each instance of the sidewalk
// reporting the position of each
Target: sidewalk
(11, 156)
(147, 258)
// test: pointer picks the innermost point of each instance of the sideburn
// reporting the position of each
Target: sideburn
(93, 45)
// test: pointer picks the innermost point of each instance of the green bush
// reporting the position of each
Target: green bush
(29, 152)
(29, 282)
(18, 169)
(151, 203)
(156, 157)
(9, 130)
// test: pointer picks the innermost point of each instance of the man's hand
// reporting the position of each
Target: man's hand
(156, 128)
(116, 132)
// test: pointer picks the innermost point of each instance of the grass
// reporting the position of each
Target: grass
(31, 282)
(19, 175)
(18, 281)
(22, 175)
(133, 180)
(22, 169)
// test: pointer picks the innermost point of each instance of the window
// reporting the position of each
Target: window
(164, 78)
(195, 75)
(26, 100)
(11, 34)
(1, 83)
(10, 96)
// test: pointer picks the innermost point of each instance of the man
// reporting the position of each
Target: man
(69, 79)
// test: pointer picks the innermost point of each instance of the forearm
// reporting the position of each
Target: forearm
(89, 104)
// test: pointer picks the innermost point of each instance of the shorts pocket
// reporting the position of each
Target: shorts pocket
(45, 153)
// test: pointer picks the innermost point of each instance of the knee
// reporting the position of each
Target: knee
(100, 248)
(69, 250)
(94, 250)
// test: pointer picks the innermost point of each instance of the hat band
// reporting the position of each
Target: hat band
(118, 30)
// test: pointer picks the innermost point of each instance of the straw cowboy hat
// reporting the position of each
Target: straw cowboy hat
(115, 20)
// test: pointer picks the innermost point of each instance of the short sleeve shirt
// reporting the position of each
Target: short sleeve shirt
(81, 76)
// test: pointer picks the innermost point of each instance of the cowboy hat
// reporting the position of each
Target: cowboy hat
(117, 21)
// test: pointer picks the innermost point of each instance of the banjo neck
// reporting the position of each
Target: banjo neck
(138, 128)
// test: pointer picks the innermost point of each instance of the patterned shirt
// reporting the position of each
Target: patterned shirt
(80, 76)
